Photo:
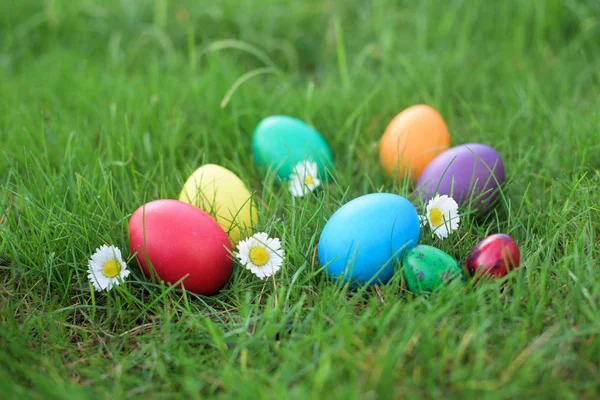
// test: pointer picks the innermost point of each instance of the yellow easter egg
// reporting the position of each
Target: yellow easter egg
(221, 193)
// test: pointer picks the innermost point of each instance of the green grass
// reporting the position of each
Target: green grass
(107, 105)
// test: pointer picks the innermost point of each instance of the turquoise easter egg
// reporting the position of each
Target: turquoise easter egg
(280, 142)
(426, 268)
(364, 239)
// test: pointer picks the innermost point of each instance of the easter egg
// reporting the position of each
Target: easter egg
(411, 140)
(280, 142)
(363, 239)
(220, 193)
(494, 256)
(176, 241)
(471, 174)
(426, 268)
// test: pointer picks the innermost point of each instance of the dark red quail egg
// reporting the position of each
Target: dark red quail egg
(494, 256)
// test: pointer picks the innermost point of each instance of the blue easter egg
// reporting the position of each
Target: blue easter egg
(367, 236)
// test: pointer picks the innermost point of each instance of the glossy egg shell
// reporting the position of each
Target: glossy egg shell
(367, 236)
(426, 268)
(471, 174)
(179, 239)
(223, 195)
(494, 256)
(279, 142)
(411, 140)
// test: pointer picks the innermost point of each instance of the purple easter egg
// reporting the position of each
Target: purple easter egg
(471, 174)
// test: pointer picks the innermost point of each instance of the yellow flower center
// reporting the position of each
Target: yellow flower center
(308, 180)
(258, 256)
(436, 217)
(111, 268)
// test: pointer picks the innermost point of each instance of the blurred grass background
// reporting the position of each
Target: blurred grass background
(107, 105)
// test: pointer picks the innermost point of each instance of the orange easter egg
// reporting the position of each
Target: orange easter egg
(412, 140)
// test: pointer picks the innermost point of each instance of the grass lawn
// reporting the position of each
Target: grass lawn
(105, 105)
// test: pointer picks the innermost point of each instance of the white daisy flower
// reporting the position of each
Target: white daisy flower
(304, 179)
(260, 254)
(442, 215)
(107, 268)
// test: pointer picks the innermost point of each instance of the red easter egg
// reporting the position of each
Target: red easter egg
(494, 256)
(180, 241)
